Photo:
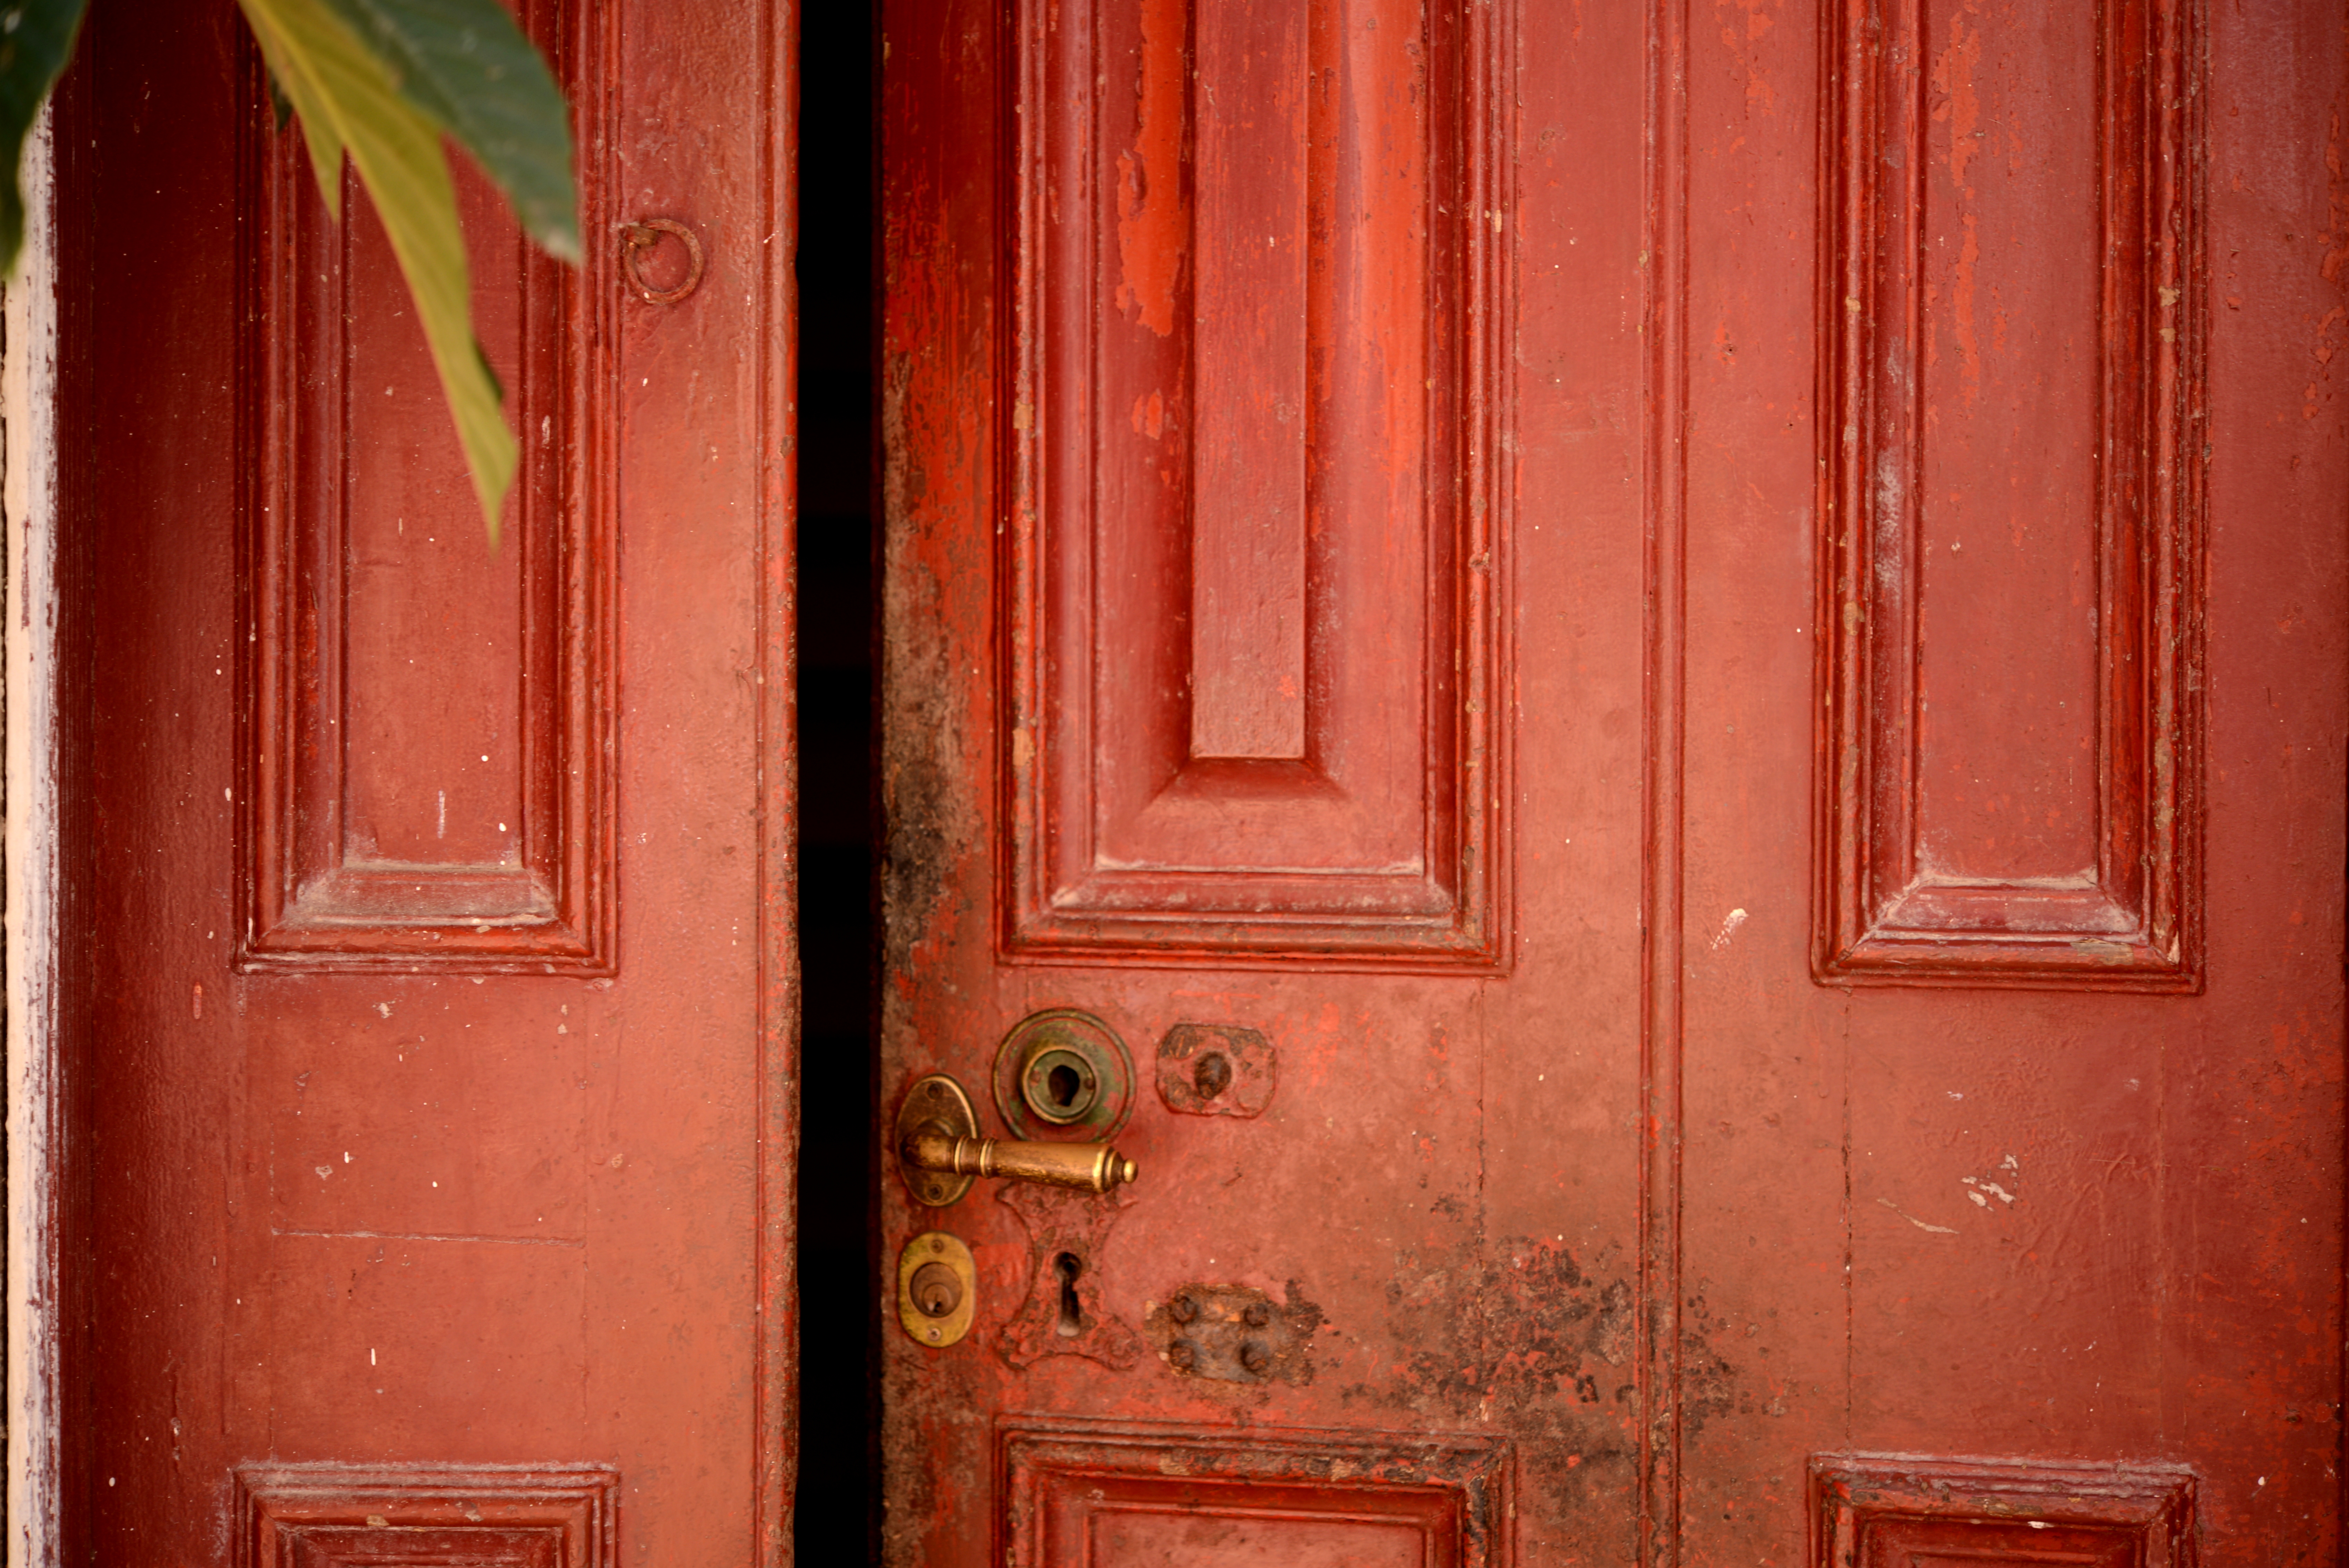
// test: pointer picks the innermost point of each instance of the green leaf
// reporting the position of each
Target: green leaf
(348, 100)
(37, 38)
(317, 125)
(467, 64)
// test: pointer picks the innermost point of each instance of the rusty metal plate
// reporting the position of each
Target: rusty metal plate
(1234, 1334)
(1217, 1069)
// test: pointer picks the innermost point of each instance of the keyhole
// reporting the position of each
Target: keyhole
(1212, 1075)
(1059, 1086)
(1070, 1266)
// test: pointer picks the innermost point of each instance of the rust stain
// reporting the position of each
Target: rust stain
(919, 858)
(1528, 1332)
(1150, 228)
(1234, 1334)
(1065, 1314)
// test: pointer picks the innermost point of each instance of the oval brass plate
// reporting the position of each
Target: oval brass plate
(936, 1100)
(935, 1247)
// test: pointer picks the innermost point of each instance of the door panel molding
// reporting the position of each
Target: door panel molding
(1658, 1338)
(1886, 1511)
(1253, 572)
(1074, 1491)
(373, 836)
(427, 1516)
(2009, 768)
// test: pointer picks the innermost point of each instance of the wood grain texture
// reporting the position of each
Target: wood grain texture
(427, 778)
(1250, 578)
(1251, 185)
(2010, 616)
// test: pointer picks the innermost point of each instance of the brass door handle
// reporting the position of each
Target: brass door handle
(941, 1152)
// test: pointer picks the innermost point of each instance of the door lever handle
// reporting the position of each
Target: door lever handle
(941, 1153)
(1091, 1167)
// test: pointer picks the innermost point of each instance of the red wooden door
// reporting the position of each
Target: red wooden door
(431, 1044)
(1657, 694)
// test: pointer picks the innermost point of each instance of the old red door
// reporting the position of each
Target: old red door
(1649, 699)
(430, 1046)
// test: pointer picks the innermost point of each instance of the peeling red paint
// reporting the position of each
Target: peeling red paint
(1960, 107)
(1153, 228)
(1150, 416)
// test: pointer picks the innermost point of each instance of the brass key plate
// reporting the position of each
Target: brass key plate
(936, 1250)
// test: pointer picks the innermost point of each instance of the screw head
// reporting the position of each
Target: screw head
(1183, 1308)
(1182, 1354)
(1255, 1355)
(1259, 1314)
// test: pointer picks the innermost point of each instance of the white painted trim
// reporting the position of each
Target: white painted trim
(29, 447)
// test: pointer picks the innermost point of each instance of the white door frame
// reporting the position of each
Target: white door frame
(28, 449)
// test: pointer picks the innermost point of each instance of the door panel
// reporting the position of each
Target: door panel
(435, 1094)
(1795, 912)
(1210, 779)
(2012, 505)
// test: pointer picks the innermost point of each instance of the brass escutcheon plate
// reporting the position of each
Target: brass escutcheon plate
(936, 1249)
(937, 1100)
(1063, 1074)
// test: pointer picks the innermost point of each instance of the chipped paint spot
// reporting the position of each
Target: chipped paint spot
(1150, 416)
(1524, 1331)
(1745, 24)
(2002, 1184)
(2336, 238)
(1936, 1230)
(1151, 231)
(1728, 929)
(1961, 109)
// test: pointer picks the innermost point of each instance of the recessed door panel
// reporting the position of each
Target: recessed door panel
(426, 761)
(1248, 670)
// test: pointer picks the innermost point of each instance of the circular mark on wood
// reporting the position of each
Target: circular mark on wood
(640, 239)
